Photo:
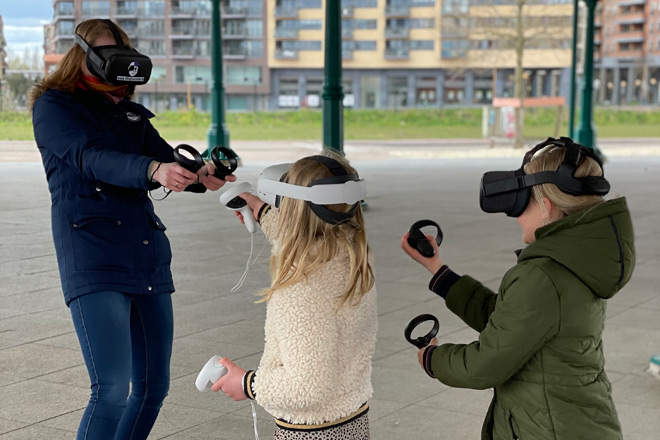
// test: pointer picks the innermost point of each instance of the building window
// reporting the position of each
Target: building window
(309, 24)
(369, 91)
(425, 91)
(359, 3)
(422, 23)
(152, 48)
(310, 4)
(421, 44)
(95, 9)
(190, 74)
(454, 48)
(243, 75)
(255, 28)
(359, 24)
(255, 49)
(397, 92)
(152, 8)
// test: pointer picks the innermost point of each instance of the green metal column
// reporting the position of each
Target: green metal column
(571, 108)
(586, 131)
(333, 111)
(218, 133)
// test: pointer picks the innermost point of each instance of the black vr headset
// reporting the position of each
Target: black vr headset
(509, 191)
(118, 64)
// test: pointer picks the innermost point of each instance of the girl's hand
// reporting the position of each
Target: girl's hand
(254, 202)
(420, 353)
(231, 383)
(173, 176)
(432, 264)
(211, 182)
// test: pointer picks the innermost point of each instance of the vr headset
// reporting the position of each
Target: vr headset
(509, 191)
(340, 188)
(118, 64)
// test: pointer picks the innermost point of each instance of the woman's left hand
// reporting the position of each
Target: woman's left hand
(420, 353)
(231, 383)
(211, 182)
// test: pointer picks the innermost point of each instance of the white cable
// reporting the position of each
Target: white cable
(241, 280)
(254, 417)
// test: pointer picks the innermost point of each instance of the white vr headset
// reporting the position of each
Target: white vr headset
(340, 188)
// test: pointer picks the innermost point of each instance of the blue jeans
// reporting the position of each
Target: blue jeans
(124, 338)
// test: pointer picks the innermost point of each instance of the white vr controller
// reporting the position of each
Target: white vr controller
(210, 374)
(231, 200)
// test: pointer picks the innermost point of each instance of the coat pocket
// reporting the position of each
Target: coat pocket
(100, 242)
(515, 431)
(162, 248)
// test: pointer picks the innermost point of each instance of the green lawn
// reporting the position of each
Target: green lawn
(366, 124)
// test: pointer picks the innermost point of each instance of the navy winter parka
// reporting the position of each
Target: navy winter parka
(96, 155)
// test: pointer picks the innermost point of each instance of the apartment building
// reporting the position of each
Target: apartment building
(176, 34)
(627, 52)
(419, 53)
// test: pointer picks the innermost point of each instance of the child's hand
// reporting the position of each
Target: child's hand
(254, 202)
(433, 264)
(420, 353)
(231, 383)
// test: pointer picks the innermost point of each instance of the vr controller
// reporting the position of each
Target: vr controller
(417, 240)
(210, 374)
(425, 340)
(234, 202)
(195, 162)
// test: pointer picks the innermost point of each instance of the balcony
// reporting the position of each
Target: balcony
(233, 12)
(234, 53)
(347, 12)
(631, 3)
(183, 53)
(286, 34)
(286, 54)
(637, 18)
(126, 13)
(64, 12)
(234, 34)
(96, 12)
(183, 33)
(397, 32)
(346, 34)
(286, 12)
(397, 54)
(397, 11)
(183, 12)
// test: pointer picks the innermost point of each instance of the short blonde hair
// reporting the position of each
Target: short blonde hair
(306, 241)
(549, 159)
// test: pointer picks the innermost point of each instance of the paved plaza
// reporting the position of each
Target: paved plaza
(43, 380)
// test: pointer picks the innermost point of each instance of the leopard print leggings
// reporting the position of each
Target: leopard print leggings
(357, 429)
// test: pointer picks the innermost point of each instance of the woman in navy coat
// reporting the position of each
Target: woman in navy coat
(102, 156)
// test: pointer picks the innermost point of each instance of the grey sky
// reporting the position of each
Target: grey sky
(23, 23)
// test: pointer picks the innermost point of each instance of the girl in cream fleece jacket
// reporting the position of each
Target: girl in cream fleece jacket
(315, 373)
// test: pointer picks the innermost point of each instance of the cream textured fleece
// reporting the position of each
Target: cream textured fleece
(316, 365)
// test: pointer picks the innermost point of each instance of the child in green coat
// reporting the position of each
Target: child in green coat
(540, 337)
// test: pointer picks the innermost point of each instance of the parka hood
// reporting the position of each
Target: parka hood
(597, 245)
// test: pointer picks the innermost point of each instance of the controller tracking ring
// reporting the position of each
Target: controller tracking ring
(417, 240)
(425, 340)
(221, 170)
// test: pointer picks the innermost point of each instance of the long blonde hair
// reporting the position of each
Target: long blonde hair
(549, 159)
(69, 70)
(306, 242)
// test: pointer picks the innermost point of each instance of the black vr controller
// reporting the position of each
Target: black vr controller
(196, 163)
(425, 340)
(417, 240)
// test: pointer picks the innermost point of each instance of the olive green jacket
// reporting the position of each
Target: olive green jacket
(540, 339)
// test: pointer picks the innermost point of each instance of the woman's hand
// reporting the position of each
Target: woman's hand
(173, 176)
(231, 383)
(420, 353)
(432, 264)
(211, 182)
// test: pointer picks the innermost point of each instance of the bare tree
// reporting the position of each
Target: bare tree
(513, 28)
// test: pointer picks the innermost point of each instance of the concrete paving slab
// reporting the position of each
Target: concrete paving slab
(209, 319)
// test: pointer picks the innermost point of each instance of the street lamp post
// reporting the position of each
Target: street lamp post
(218, 134)
(333, 117)
(586, 131)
